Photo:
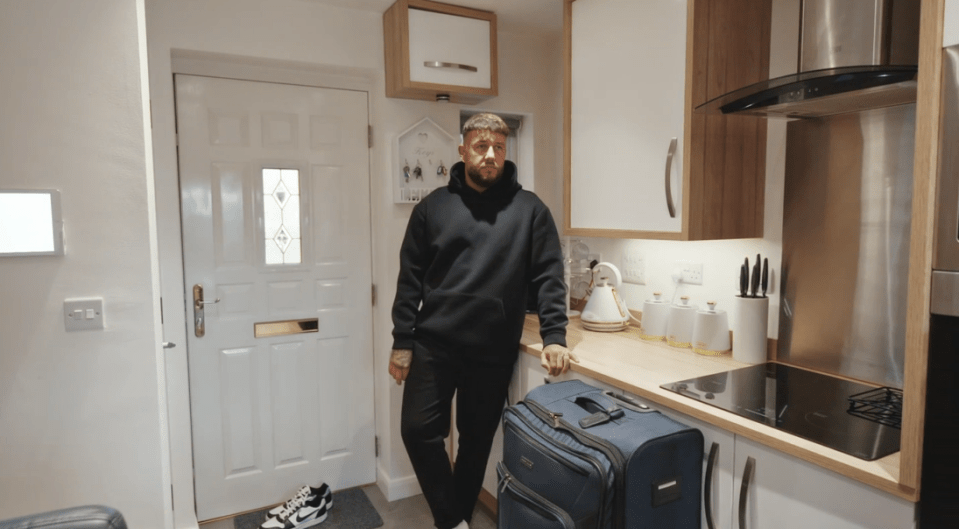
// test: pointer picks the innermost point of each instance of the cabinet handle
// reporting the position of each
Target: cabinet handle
(440, 64)
(708, 492)
(669, 187)
(744, 490)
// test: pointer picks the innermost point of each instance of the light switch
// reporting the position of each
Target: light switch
(83, 314)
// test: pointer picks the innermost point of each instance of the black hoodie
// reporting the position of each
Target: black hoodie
(472, 258)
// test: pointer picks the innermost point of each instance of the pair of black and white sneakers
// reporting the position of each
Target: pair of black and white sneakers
(308, 507)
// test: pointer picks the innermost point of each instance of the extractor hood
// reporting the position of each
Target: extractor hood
(853, 55)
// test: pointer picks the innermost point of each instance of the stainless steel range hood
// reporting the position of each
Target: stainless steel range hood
(853, 55)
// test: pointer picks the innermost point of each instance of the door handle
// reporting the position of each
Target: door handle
(199, 317)
(168, 345)
(744, 490)
(669, 186)
(453, 65)
(708, 492)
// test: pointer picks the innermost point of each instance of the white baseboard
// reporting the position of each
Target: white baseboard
(396, 488)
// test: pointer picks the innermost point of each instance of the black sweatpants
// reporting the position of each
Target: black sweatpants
(481, 389)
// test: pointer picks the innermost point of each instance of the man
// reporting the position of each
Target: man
(472, 253)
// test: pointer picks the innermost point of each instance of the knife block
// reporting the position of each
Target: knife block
(749, 330)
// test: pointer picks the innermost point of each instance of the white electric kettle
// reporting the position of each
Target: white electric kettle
(605, 310)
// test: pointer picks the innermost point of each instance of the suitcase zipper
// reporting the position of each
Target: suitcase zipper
(557, 425)
(544, 450)
(588, 439)
(531, 498)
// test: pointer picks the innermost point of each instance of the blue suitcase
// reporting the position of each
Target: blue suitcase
(575, 456)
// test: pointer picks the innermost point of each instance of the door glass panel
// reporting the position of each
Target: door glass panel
(281, 216)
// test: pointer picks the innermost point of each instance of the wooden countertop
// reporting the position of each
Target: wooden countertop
(625, 361)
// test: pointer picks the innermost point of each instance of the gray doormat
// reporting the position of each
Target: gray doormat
(351, 510)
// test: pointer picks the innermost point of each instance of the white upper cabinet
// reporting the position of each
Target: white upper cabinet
(950, 30)
(435, 50)
(628, 79)
(449, 49)
(641, 163)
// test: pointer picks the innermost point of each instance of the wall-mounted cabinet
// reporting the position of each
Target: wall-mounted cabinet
(640, 164)
(436, 51)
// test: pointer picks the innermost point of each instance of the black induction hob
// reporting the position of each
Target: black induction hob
(797, 401)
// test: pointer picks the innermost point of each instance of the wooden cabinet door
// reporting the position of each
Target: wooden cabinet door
(786, 493)
(627, 91)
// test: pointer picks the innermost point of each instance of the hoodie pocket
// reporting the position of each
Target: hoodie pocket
(463, 320)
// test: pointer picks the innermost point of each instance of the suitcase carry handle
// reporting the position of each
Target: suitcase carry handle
(628, 402)
(607, 410)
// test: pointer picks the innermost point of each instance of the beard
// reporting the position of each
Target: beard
(484, 179)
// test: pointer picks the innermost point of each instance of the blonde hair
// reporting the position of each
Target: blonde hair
(486, 121)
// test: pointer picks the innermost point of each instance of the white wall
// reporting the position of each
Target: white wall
(327, 37)
(950, 33)
(81, 418)
(721, 259)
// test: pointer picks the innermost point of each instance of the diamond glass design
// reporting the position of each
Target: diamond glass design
(281, 216)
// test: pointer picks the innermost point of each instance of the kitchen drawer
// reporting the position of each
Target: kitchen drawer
(436, 50)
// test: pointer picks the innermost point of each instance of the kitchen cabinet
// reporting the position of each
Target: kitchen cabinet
(786, 493)
(639, 162)
(439, 52)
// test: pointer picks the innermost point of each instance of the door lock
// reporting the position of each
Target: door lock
(199, 318)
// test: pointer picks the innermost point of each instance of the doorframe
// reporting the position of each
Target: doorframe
(169, 224)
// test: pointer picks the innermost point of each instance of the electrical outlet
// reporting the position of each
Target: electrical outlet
(634, 267)
(692, 272)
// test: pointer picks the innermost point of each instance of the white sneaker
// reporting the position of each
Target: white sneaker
(304, 492)
(279, 516)
(300, 516)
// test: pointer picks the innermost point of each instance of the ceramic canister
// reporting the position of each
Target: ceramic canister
(655, 315)
(679, 326)
(711, 331)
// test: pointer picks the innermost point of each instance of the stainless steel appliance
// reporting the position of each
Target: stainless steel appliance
(860, 420)
(853, 55)
(939, 505)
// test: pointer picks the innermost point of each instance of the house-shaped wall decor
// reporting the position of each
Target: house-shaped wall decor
(422, 157)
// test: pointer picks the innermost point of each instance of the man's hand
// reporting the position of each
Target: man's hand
(556, 359)
(400, 360)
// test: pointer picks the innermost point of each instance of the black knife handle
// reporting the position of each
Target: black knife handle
(765, 280)
(743, 280)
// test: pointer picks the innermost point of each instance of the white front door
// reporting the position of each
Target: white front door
(275, 187)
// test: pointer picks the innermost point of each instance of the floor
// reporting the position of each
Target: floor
(408, 513)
